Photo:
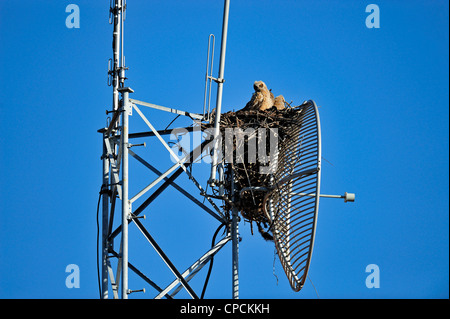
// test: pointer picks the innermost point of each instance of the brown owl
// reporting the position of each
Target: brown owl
(262, 99)
(279, 102)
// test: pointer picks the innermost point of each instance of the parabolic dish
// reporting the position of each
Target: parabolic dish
(292, 205)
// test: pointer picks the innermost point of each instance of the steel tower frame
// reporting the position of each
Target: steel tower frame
(115, 178)
(115, 181)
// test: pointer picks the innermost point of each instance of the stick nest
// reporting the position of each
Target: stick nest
(248, 173)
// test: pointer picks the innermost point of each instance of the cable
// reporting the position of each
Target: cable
(210, 262)
(314, 287)
(273, 266)
(172, 122)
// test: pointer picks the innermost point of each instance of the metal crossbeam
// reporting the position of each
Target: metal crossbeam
(160, 132)
(168, 109)
(140, 274)
(155, 182)
(194, 268)
(179, 163)
(165, 258)
(158, 191)
(150, 199)
(177, 187)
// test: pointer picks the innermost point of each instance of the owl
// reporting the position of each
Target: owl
(279, 102)
(262, 99)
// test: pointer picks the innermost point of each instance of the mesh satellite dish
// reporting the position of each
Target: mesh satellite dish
(283, 199)
(292, 205)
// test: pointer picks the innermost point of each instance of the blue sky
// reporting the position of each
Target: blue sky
(383, 97)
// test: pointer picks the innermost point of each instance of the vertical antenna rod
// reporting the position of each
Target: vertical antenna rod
(122, 54)
(117, 12)
(220, 81)
(125, 201)
(126, 108)
(214, 165)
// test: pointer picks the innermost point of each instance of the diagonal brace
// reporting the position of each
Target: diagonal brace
(177, 187)
(164, 258)
(140, 274)
(195, 267)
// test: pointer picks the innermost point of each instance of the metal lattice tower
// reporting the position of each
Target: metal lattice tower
(295, 184)
(115, 187)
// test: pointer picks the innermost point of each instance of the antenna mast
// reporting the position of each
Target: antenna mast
(116, 78)
(116, 151)
(234, 230)
(220, 80)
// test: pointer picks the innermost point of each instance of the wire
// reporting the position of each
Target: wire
(172, 122)
(314, 287)
(211, 261)
(273, 266)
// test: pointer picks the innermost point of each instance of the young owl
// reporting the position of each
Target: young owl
(262, 99)
(279, 102)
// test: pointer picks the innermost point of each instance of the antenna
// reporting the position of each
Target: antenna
(209, 78)
(293, 216)
(281, 194)
(220, 80)
(116, 74)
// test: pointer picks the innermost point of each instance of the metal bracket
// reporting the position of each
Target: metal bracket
(217, 80)
(132, 145)
(129, 291)
(348, 197)
(132, 216)
(113, 111)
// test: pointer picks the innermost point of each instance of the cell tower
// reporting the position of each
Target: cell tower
(284, 199)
